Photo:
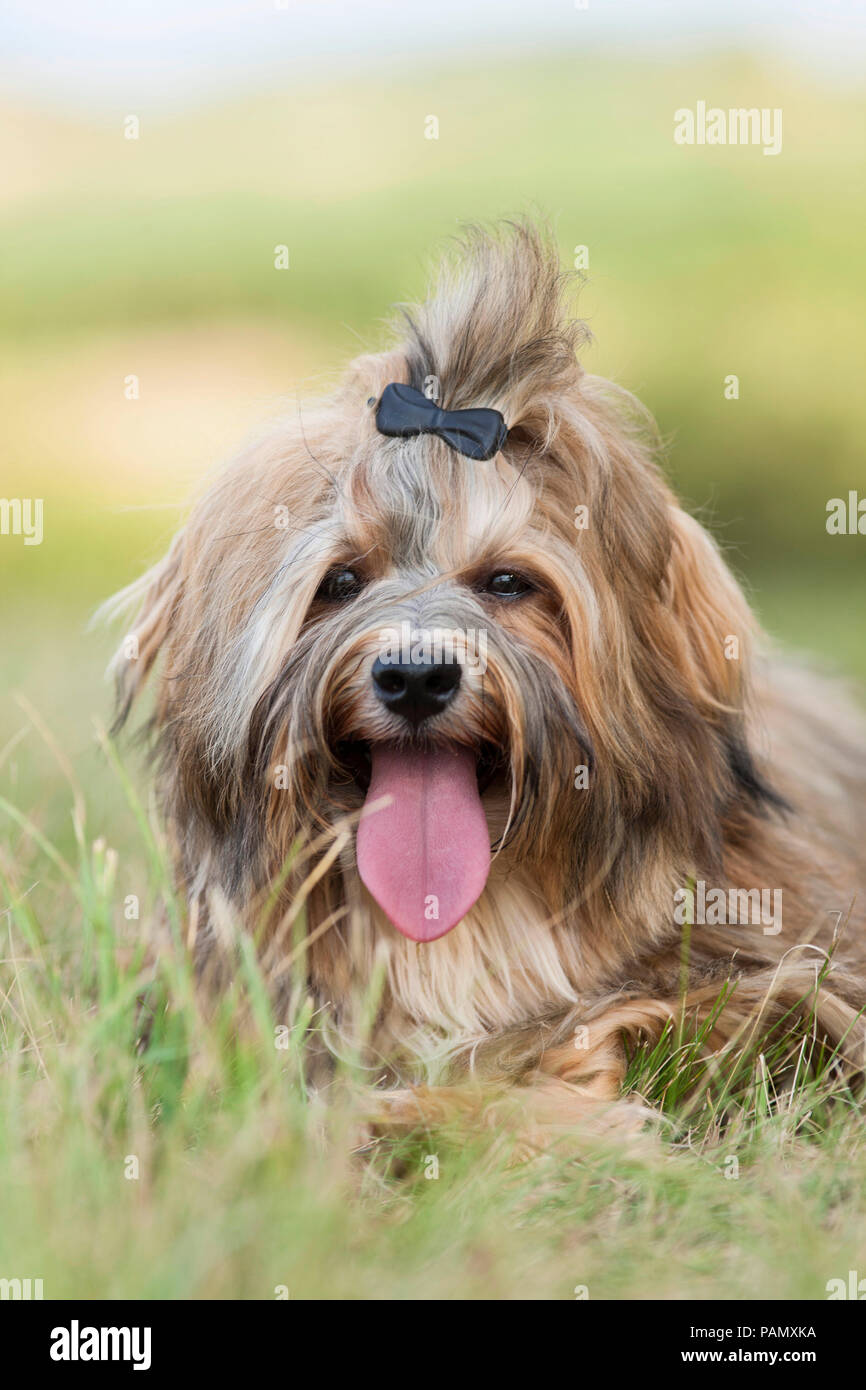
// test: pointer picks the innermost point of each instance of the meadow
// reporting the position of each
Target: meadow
(154, 259)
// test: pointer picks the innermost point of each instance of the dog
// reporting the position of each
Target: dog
(448, 683)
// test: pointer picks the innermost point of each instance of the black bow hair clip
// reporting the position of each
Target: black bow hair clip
(403, 412)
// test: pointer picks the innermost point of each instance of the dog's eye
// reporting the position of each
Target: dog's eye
(507, 584)
(339, 584)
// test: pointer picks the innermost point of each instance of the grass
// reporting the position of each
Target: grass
(186, 1159)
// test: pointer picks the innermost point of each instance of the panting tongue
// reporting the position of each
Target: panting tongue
(424, 856)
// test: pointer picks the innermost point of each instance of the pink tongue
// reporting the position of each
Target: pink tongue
(425, 856)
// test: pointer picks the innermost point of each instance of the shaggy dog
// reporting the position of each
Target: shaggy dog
(490, 734)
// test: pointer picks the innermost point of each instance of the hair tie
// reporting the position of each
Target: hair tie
(403, 412)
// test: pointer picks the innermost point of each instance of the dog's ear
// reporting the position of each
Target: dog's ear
(715, 628)
(714, 623)
(153, 599)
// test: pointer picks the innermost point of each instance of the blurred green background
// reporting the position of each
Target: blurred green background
(155, 258)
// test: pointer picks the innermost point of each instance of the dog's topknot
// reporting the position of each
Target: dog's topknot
(496, 329)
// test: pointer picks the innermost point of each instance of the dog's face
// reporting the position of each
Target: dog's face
(538, 657)
(433, 670)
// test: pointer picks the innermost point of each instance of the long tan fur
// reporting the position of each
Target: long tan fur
(634, 657)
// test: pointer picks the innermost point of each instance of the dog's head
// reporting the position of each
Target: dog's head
(538, 655)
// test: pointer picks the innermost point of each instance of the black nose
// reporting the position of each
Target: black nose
(416, 689)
